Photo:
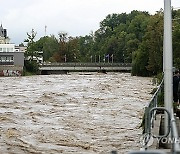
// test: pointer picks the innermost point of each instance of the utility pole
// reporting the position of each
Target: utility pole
(167, 53)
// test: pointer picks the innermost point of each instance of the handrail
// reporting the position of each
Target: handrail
(174, 135)
(153, 103)
(79, 64)
(151, 111)
(169, 121)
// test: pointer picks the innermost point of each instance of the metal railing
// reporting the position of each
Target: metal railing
(150, 116)
(78, 64)
(174, 134)
(153, 103)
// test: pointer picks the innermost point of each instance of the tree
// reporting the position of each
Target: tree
(138, 25)
(154, 42)
(49, 45)
(148, 58)
(72, 54)
(87, 47)
(132, 44)
(112, 21)
(62, 47)
(31, 52)
(176, 36)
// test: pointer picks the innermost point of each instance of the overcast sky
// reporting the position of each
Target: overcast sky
(76, 17)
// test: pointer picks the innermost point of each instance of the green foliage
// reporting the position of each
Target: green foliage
(49, 45)
(32, 67)
(31, 51)
(176, 36)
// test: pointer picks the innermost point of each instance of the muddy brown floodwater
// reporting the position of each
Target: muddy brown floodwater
(72, 114)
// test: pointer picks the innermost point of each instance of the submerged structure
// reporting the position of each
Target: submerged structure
(11, 59)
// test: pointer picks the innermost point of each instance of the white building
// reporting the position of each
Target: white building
(11, 60)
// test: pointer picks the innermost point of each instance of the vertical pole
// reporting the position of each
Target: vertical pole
(112, 58)
(167, 59)
(65, 59)
(146, 120)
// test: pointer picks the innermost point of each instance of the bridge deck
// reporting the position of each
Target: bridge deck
(56, 68)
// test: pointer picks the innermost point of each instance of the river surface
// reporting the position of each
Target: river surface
(72, 114)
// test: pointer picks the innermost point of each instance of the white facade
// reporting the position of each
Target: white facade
(7, 47)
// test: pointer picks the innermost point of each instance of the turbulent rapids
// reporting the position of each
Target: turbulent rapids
(76, 113)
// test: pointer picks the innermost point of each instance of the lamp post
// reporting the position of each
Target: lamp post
(167, 57)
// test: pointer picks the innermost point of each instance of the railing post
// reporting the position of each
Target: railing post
(146, 120)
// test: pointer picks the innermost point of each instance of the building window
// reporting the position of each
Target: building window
(7, 59)
(4, 49)
(3, 59)
(12, 59)
(1, 49)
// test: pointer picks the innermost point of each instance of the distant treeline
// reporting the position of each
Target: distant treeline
(135, 38)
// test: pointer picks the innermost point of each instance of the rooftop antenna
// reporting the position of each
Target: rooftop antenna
(45, 30)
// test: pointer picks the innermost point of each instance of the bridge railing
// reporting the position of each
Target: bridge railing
(77, 64)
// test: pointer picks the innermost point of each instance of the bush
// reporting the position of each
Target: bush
(32, 67)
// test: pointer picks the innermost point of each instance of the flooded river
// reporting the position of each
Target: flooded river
(72, 114)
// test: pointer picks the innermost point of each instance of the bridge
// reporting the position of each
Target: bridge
(61, 68)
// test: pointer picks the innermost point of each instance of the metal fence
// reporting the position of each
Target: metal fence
(152, 104)
(78, 64)
(150, 114)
